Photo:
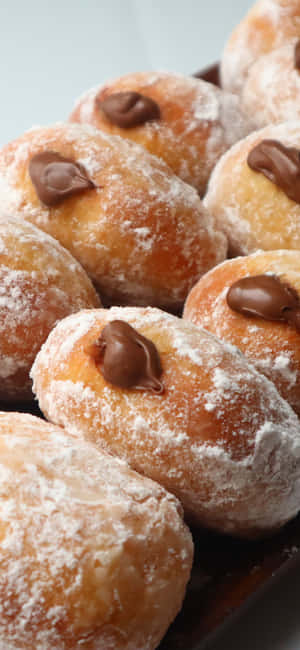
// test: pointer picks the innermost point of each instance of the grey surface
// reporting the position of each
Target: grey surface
(50, 52)
(272, 623)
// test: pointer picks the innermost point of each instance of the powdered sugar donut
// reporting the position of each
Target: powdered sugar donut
(40, 283)
(271, 93)
(187, 122)
(254, 191)
(181, 407)
(92, 555)
(254, 303)
(268, 25)
(140, 232)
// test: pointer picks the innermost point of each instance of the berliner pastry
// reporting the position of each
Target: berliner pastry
(267, 26)
(142, 234)
(40, 283)
(254, 191)
(271, 93)
(186, 122)
(181, 407)
(93, 556)
(254, 303)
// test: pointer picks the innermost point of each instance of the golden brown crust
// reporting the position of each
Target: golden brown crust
(272, 346)
(254, 212)
(92, 555)
(216, 436)
(40, 283)
(141, 234)
(268, 25)
(198, 122)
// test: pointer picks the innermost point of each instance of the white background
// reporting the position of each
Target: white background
(50, 52)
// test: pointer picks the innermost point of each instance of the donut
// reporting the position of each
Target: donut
(40, 283)
(181, 407)
(186, 122)
(92, 554)
(254, 191)
(141, 234)
(271, 93)
(268, 25)
(252, 302)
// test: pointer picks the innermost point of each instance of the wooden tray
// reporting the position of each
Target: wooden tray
(227, 575)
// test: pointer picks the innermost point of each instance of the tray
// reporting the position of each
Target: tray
(228, 574)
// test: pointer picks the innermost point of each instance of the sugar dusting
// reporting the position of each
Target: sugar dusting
(139, 213)
(271, 347)
(39, 283)
(267, 26)
(254, 214)
(207, 384)
(75, 531)
(208, 121)
(265, 96)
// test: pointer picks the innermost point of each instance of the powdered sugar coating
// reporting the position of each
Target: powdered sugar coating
(267, 26)
(271, 93)
(220, 437)
(273, 347)
(198, 121)
(40, 282)
(254, 212)
(92, 555)
(141, 234)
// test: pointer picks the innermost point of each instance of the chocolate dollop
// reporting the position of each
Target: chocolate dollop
(210, 74)
(279, 164)
(267, 297)
(127, 359)
(297, 55)
(129, 109)
(55, 178)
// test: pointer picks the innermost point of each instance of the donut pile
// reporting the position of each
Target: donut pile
(150, 300)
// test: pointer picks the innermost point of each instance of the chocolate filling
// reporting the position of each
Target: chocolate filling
(297, 55)
(267, 297)
(210, 74)
(129, 109)
(55, 178)
(280, 164)
(127, 359)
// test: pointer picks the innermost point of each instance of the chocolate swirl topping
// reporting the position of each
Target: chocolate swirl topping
(280, 164)
(297, 55)
(129, 109)
(210, 74)
(127, 359)
(267, 297)
(55, 178)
